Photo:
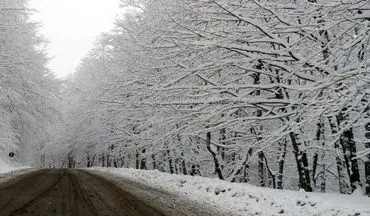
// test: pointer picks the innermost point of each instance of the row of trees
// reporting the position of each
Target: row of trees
(274, 93)
(27, 89)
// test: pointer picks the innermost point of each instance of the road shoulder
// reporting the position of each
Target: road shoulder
(170, 204)
(7, 178)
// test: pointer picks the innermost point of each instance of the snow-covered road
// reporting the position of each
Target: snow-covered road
(77, 192)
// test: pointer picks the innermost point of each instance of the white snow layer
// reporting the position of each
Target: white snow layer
(7, 167)
(246, 199)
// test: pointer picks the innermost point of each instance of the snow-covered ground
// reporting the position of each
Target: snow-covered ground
(6, 167)
(245, 199)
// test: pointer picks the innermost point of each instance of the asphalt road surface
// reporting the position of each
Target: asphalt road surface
(71, 192)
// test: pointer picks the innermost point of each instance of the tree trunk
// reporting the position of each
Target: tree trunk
(343, 187)
(183, 165)
(348, 144)
(314, 169)
(243, 166)
(367, 176)
(143, 161)
(283, 149)
(349, 151)
(222, 141)
(302, 163)
(319, 175)
(170, 162)
(42, 160)
(215, 160)
(261, 169)
(270, 172)
(137, 160)
(154, 162)
(71, 163)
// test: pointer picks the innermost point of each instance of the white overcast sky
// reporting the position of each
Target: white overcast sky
(71, 26)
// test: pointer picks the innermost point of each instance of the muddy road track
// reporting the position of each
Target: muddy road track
(71, 192)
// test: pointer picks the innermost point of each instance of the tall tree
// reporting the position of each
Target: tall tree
(28, 90)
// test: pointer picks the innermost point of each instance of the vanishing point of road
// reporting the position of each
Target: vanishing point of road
(72, 192)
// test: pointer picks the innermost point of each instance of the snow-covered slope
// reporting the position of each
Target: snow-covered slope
(8, 167)
(245, 199)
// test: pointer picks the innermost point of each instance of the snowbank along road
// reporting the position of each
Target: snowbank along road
(76, 192)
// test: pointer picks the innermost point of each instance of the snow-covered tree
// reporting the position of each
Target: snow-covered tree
(27, 88)
(267, 92)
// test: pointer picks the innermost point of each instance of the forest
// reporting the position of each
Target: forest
(273, 93)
